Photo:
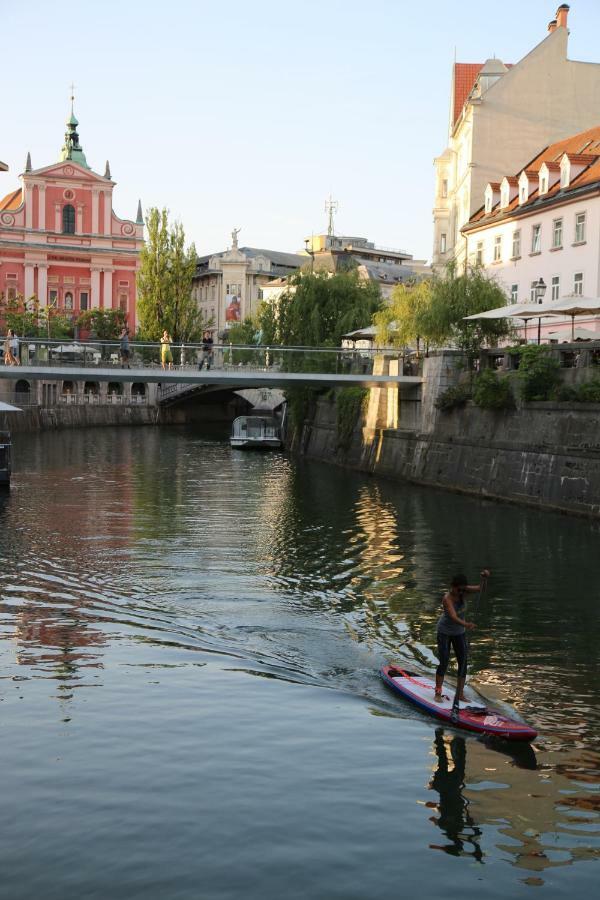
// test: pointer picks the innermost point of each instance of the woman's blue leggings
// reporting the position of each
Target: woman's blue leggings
(458, 642)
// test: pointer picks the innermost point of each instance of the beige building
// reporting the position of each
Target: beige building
(228, 286)
(500, 116)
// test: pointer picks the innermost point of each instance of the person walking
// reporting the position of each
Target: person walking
(207, 351)
(124, 347)
(166, 357)
(11, 349)
(451, 631)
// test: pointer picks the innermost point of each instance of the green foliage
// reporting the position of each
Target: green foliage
(105, 324)
(317, 309)
(400, 323)
(28, 319)
(299, 401)
(453, 397)
(538, 373)
(244, 333)
(164, 282)
(586, 392)
(492, 392)
(351, 402)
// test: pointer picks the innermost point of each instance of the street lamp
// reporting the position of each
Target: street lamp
(540, 290)
(311, 253)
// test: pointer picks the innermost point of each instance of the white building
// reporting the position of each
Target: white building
(500, 116)
(544, 223)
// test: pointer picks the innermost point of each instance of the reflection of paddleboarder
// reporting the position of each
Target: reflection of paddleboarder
(449, 780)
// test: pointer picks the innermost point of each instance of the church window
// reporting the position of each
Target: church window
(123, 298)
(83, 300)
(68, 217)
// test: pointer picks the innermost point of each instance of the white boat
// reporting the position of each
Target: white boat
(5, 460)
(256, 432)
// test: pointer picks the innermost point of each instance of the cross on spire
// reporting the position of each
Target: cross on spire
(72, 87)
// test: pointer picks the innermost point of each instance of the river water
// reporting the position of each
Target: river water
(189, 696)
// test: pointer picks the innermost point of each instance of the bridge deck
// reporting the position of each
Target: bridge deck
(232, 378)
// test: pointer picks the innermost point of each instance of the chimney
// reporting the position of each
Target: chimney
(552, 26)
(561, 15)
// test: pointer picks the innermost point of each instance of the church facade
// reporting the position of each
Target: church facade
(61, 241)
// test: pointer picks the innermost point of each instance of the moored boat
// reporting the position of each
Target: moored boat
(5, 458)
(256, 432)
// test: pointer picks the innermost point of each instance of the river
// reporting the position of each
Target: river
(189, 694)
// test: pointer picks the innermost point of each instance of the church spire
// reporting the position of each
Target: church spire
(28, 163)
(140, 216)
(71, 148)
(107, 171)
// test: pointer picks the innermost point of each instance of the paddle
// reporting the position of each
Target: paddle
(455, 703)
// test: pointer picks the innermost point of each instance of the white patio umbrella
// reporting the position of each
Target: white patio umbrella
(7, 407)
(575, 306)
(580, 334)
(524, 311)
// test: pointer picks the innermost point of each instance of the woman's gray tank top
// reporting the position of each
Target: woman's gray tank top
(446, 625)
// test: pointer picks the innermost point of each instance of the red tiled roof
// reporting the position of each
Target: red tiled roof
(465, 75)
(589, 175)
(12, 201)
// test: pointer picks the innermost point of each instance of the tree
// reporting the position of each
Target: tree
(400, 324)
(28, 319)
(105, 323)
(317, 309)
(165, 282)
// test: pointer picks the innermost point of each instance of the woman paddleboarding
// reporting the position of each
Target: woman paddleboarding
(451, 631)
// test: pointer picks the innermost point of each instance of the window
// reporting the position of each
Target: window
(83, 300)
(68, 219)
(516, 244)
(123, 298)
(580, 228)
(498, 248)
(445, 187)
(442, 243)
(53, 299)
(260, 294)
(533, 292)
(68, 300)
(555, 287)
(578, 284)
(543, 184)
(479, 254)
(11, 293)
(514, 293)
(536, 239)
(523, 193)
(557, 230)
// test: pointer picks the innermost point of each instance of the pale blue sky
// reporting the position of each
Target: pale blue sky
(251, 113)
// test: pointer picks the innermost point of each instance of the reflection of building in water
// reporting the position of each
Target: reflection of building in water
(539, 807)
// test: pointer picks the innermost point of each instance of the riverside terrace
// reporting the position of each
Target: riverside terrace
(234, 367)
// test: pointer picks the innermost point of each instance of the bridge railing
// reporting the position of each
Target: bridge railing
(106, 354)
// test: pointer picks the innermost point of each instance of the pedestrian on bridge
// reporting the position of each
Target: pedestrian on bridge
(124, 347)
(166, 357)
(11, 349)
(207, 351)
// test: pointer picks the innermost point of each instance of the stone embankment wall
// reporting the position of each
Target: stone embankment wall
(41, 419)
(542, 454)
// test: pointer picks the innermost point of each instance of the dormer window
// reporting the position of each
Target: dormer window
(524, 187)
(492, 193)
(565, 172)
(543, 184)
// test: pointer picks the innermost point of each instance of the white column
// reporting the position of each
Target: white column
(42, 207)
(79, 218)
(95, 288)
(95, 210)
(29, 266)
(107, 211)
(28, 205)
(57, 225)
(107, 288)
(43, 284)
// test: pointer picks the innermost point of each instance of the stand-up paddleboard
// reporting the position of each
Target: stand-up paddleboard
(472, 715)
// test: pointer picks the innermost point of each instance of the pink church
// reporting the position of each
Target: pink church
(61, 241)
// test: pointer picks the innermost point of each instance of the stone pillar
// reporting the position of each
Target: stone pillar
(95, 211)
(79, 225)
(107, 212)
(57, 222)
(28, 288)
(28, 206)
(43, 284)
(42, 207)
(95, 288)
(107, 289)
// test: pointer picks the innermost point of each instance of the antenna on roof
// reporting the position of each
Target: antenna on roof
(331, 207)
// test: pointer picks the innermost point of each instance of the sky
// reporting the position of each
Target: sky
(251, 114)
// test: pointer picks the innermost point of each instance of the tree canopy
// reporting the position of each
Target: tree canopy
(165, 282)
(434, 311)
(317, 309)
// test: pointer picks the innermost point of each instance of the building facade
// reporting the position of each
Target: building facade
(544, 223)
(500, 116)
(61, 241)
(228, 286)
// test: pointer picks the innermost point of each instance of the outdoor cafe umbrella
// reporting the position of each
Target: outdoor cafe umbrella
(523, 311)
(575, 306)
(7, 407)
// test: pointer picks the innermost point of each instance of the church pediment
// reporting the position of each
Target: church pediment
(69, 170)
